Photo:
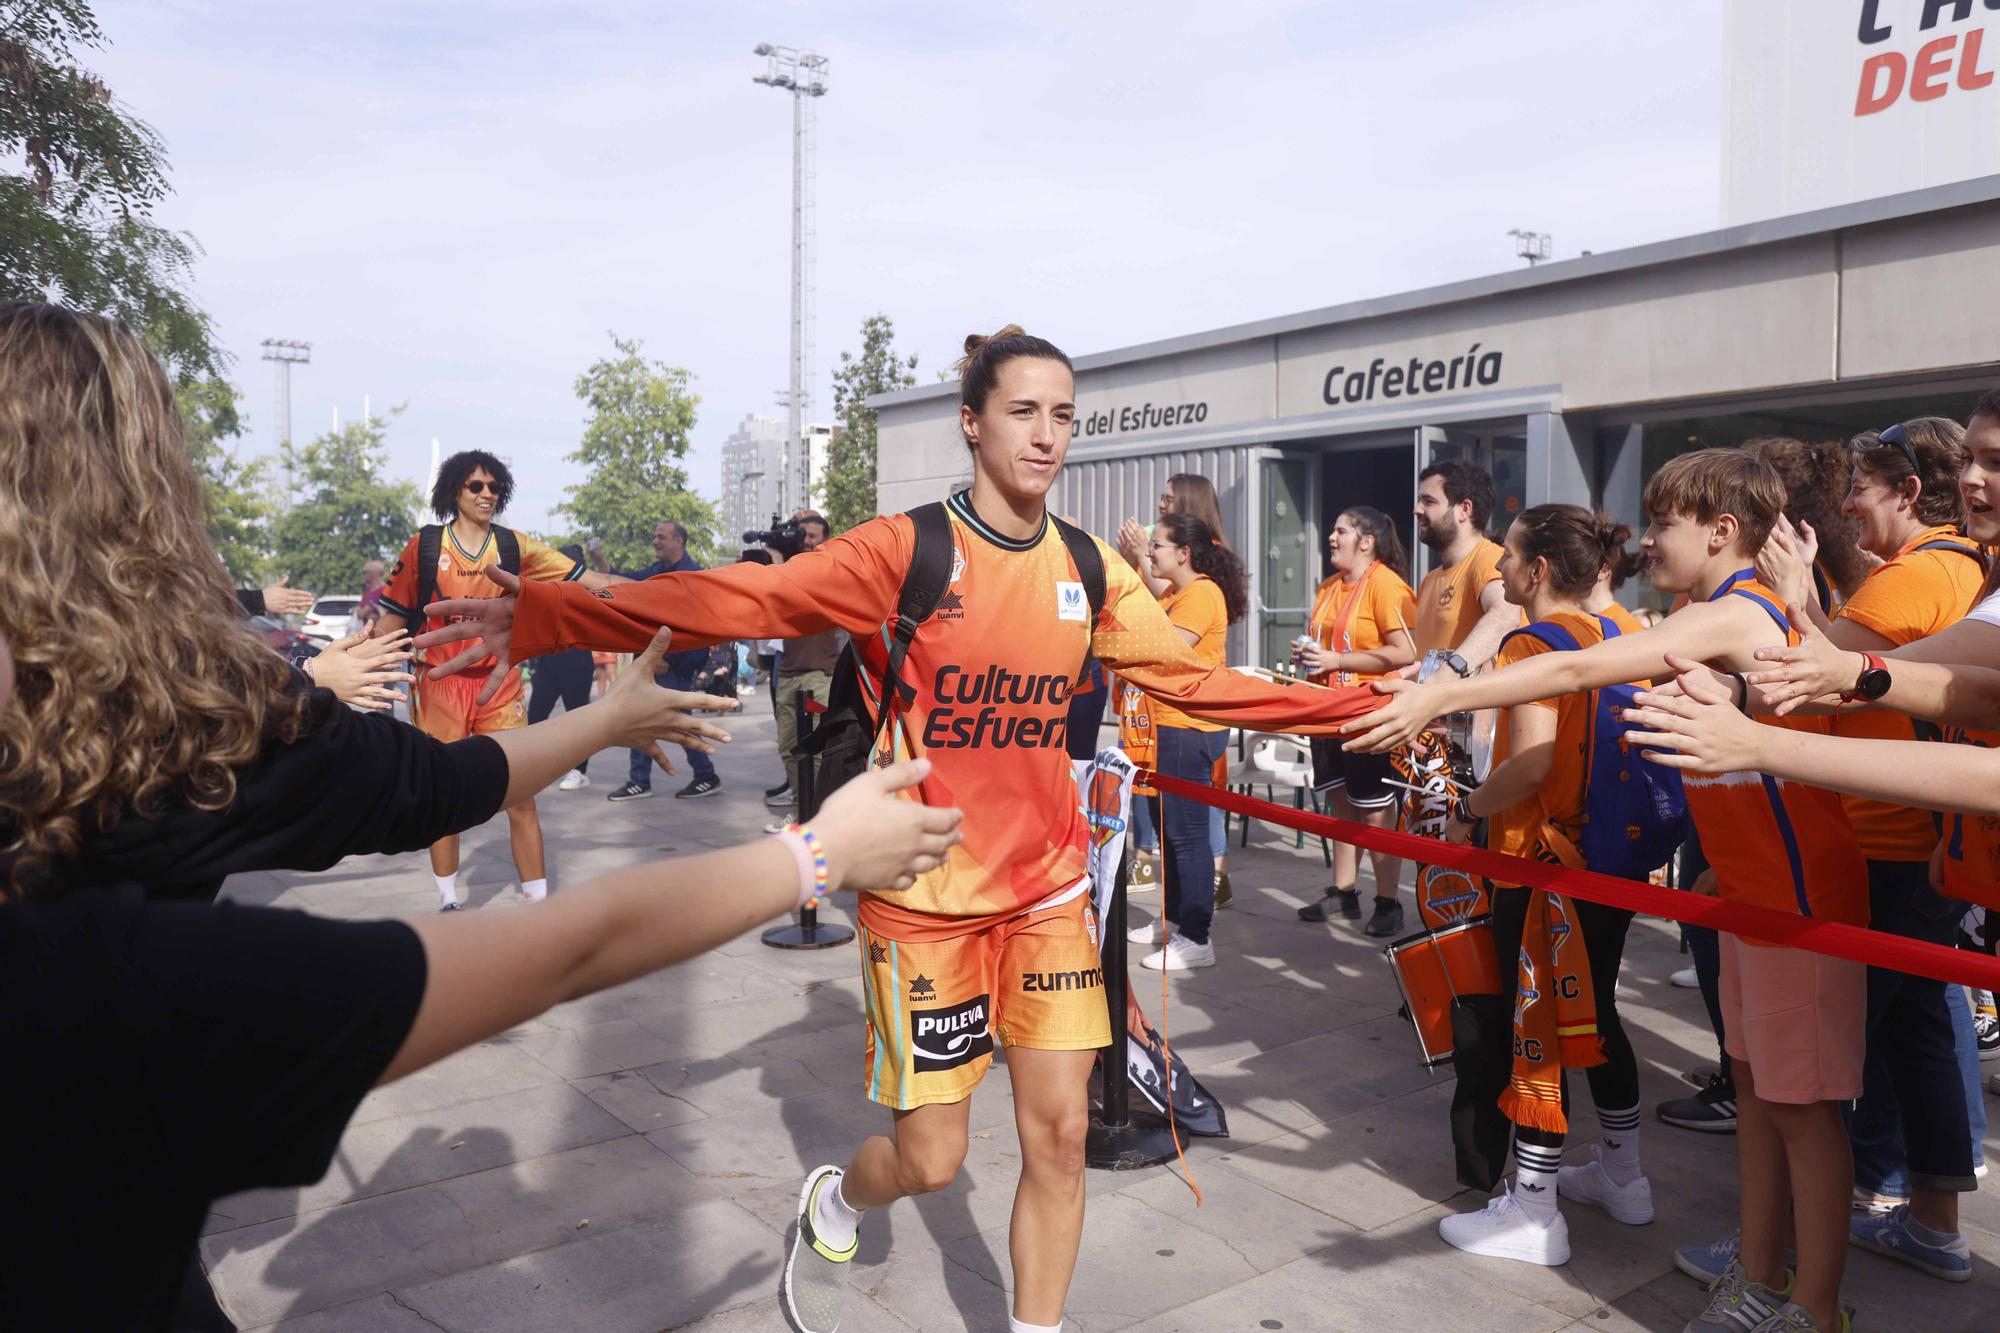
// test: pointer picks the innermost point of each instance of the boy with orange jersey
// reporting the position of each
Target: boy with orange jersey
(1792, 1020)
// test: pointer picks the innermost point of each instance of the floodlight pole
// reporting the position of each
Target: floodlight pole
(803, 75)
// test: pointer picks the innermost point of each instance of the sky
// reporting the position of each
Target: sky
(458, 204)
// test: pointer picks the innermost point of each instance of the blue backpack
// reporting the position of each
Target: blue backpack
(1634, 814)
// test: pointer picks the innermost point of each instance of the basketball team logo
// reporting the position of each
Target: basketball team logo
(1526, 992)
(1445, 896)
(957, 562)
(1104, 805)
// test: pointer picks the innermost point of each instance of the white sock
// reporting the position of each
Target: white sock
(536, 889)
(1018, 1326)
(1535, 1180)
(833, 1221)
(1619, 1152)
(447, 888)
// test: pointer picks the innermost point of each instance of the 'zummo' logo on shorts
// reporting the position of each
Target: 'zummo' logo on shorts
(1089, 978)
(947, 1038)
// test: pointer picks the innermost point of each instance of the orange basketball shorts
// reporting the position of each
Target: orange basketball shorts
(447, 708)
(936, 1009)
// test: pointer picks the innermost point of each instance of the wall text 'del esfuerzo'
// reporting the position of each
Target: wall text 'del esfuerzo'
(1407, 381)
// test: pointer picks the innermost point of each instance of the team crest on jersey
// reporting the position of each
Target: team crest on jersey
(1071, 603)
(444, 562)
(1090, 924)
(957, 562)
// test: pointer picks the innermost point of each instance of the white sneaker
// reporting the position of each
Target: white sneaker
(1586, 1182)
(1685, 978)
(1154, 932)
(573, 781)
(1501, 1230)
(1180, 954)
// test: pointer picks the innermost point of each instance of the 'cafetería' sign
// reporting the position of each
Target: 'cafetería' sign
(1420, 375)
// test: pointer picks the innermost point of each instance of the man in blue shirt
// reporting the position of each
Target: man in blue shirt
(678, 673)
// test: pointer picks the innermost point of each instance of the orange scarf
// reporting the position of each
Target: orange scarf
(1555, 1008)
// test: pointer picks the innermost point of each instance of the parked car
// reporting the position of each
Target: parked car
(329, 618)
(283, 640)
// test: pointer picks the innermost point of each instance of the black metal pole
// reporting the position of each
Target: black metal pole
(1117, 1140)
(807, 932)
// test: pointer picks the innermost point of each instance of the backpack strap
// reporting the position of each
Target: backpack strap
(1774, 611)
(1607, 627)
(509, 543)
(1548, 632)
(1946, 544)
(430, 545)
(1089, 562)
(924, 586)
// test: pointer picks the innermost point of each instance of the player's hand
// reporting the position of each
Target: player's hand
(651, 718)
(1814, 669)
(362, 671)
(873, 840)
(282, 601)
(1702, 728)
(1410, 709)
(489, 619)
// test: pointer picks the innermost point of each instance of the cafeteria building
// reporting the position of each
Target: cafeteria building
(1570, 381)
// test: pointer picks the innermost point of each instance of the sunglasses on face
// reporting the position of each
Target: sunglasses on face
(481, 487)
(1894, 436)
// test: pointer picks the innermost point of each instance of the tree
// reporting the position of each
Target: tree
(633, 444)
(848, 490)
(238, 512)
(82, 179)
(341, 512)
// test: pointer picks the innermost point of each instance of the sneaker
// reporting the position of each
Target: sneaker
(452, 907)
(1791, 1317)
(631, 791)
(1501, 1230)
(1685, 979)
(699, 787)
(1224, 895)
(1986, 1031)
(1179, 954)
(1707, 1263)
(1712, 1110)
(813, 1286)
(1145, 873)
(1876, 1205)
(1345, 901)
(1388, 919)
(777, 826)
(1890, 1234)
(573, 781)
(1586, 1182)
(1737, 1303)
(1154, 932)
(780, 794)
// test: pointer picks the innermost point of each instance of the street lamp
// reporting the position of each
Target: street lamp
(1532, 246)
(803, 75)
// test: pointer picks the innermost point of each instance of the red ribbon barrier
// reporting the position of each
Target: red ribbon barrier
(1833, 939)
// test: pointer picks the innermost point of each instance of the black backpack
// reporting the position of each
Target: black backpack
(846, 736)
(430, 545)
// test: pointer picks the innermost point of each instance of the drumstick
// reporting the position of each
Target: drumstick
(1425, 791)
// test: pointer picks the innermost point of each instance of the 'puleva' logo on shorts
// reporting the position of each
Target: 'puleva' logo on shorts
(947, 1038)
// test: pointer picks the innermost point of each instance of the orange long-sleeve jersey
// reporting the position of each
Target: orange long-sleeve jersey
(992, 671)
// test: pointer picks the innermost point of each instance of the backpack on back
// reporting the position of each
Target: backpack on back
(430, 546)
(1634, 813)
(857, 711)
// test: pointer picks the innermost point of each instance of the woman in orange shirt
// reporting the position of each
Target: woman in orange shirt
(1360, 631)
(1207, 590)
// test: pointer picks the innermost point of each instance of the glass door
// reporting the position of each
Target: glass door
(1286, 563)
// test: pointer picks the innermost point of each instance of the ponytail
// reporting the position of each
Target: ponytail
(1623, 564)
(1211, 558)
(1388, 543)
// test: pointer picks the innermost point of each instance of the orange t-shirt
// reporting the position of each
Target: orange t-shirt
(1773, 842)
(1559, 800)
(1199, 609)
(1448, 599)
(462, 573)
(1913, 596)
(1359, 617)
(988, 679)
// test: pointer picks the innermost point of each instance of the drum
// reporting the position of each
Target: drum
(1436, 967)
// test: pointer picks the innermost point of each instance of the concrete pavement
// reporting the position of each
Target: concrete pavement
(632, 1161)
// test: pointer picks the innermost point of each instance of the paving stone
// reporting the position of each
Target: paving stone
(376, 1314)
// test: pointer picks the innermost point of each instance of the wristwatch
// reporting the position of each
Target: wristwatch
(1872, 683)
(1456, 663)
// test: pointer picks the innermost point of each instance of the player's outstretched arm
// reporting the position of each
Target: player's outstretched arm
(1701, 728)
(488, 971)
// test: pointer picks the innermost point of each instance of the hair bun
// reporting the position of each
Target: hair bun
(975, 343)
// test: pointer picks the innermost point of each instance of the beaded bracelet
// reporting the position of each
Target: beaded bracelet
(813, 884)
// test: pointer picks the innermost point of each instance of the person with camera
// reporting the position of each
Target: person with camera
(806, 665)
(670, 545)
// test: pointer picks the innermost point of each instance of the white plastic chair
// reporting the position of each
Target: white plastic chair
(1272, 761)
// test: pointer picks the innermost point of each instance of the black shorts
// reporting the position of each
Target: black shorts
(1363, 776)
